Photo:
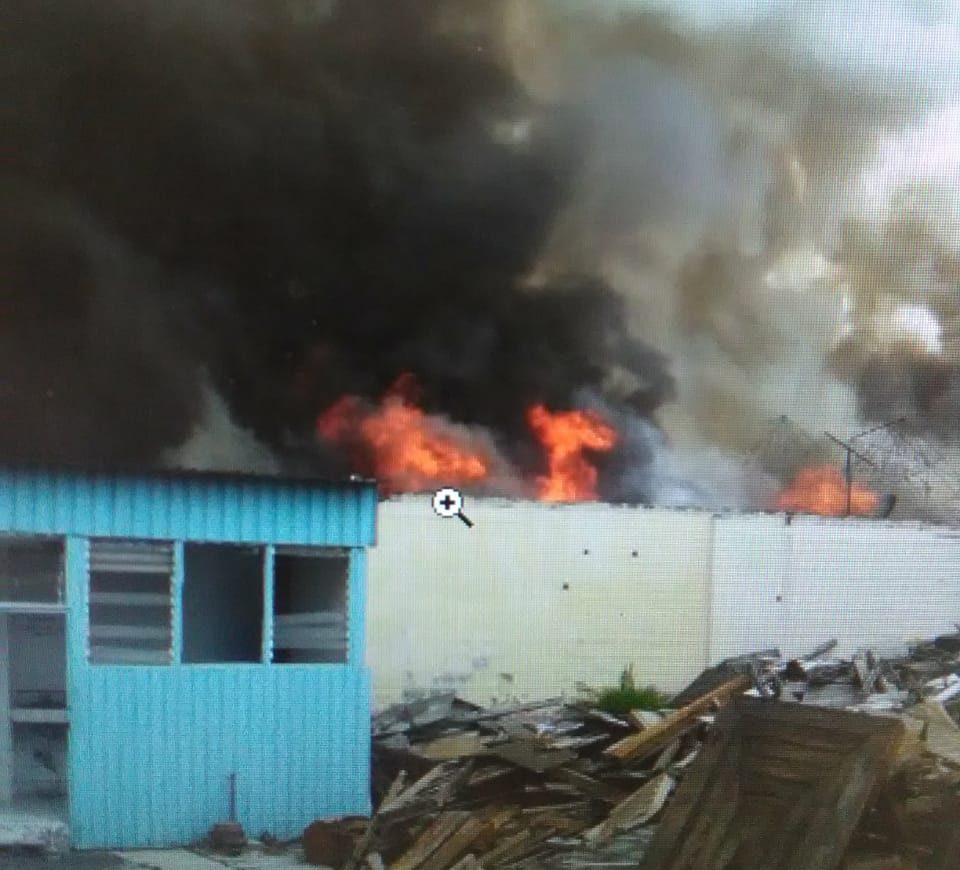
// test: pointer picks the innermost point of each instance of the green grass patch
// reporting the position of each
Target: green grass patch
(627, 698)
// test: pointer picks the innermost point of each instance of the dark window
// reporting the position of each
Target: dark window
(31, 569)
(222, 603)
(131, 602)
(310, 605)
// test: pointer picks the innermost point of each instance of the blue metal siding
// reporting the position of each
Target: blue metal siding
(266, 651)
(150, 748)
(357, 609)
(193, 509)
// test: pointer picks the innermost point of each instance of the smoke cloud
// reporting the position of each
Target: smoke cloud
(281, 205)
(219, 218)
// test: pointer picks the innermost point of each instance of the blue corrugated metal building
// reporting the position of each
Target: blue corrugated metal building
(210, 626)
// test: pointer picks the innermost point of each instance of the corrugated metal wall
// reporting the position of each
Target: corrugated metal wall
(151, 747)
(198, 508)
(151, 750)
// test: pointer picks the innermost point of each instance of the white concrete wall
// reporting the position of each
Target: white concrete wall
(515, 607)
(751, 565)
(795, 584)
(484, 611)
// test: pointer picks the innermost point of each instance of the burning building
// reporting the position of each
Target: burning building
(602, 243)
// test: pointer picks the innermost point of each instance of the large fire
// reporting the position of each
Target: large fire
(565, 435)
(822, 489)
(408, 450)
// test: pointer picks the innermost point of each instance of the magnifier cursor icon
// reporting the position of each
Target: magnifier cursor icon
(448, 502)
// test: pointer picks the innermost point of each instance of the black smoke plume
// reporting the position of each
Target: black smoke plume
(279, 203)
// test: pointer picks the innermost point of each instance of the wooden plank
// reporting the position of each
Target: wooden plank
(740, 807)
(455, 846)
(818, 723)
(634, 810)
(452, 746)
(714, 772)
(707, 830)
(585, 784)
(495, 821)
(947, 854)
(373, 825)
(395, 789)
(642, 719)
(448, 789)
(405, 798)
(530, 756)
(430, 840)
(941, 735)
(828, 832)
(653, 739)
(509, 848)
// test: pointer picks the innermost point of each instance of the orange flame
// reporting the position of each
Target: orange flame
(406, 449)
(565, 435)
(821, 489)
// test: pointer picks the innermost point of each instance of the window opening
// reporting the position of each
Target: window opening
(222, 603)
(31, 570)
(310, 605)
(131, 603)
(37, 667)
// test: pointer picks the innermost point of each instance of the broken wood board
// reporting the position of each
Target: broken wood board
(455, 846)
(941, 735)
(585, 784)
(713, 678)
(642, 719)
(781, 786)
(530, 756)
(514, 847)
(430, 841)
(637, 809)
(405, 798)
(653, 739)
(452, 746)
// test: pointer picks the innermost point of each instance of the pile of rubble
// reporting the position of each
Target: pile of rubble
(811, 763)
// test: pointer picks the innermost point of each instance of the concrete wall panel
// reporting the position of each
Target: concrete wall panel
(534, 598)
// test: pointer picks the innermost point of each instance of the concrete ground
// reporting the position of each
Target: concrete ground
(253, 858)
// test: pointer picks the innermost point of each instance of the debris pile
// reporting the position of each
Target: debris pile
(815, 762)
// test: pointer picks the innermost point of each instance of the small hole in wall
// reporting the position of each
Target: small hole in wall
(635, 553)
(566, 586)
(779, 598)
(586, 552)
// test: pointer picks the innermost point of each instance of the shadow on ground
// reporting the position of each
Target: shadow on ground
(30, 859)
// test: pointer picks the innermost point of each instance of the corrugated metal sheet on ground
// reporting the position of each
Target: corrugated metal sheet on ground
(187, 508)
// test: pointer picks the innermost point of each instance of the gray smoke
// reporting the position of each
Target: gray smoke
(219, 218)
